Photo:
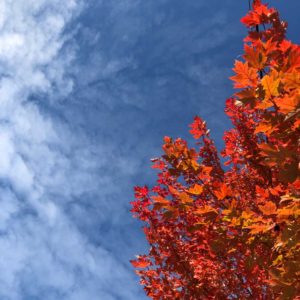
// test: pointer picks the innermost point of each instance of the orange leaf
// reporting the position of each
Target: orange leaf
(185, 198)
(256, 58)
(222, 192)
(268, 149)
(205, 172)
(196, 189)
(263, 127)
(173, 191)
(285, 45)
(268, 209)
(288, 104)
(265, 104)
(291, 80)
(160, 200)
(206, 210)
(245, 75)
(246, 96)
(262, 192)
(231, 250)
(259, 228)
(286, 212)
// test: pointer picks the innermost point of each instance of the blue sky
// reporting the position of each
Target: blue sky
(88, 89)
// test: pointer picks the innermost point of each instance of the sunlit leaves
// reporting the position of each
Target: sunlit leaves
(270, 84)
(269, 208)
(198, 128)
(196, 189)
(233, 233)
(222, 191)
(255, 57)
(245, 76)
(141, 262)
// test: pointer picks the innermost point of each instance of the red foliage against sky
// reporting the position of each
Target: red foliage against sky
(232, 233)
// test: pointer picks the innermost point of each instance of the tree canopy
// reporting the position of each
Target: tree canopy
(233, 231)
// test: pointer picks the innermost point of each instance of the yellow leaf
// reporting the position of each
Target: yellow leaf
(277, 260)
(270, 85)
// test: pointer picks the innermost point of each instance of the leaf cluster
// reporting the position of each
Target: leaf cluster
(234, 232)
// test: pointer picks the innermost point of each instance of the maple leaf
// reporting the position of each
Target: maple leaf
(247, 96)
(198, 128)
(251, 19)
(141, 262)
(263, 127)
(222, 192)
(291, 80)
(269, 208)
(141, 192)
(261, 192)
(285, 45)
(206, 210)
(160, 200)
(293, 59)
(205, 173)
(196, 189)
(270, 84)
(287, 212)
(288, 104)
(173, 190)
(185, 198)
(255, 57)
(245, 76)
(158, 163)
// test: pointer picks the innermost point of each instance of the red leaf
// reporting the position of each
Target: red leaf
(141, 262)
(198, 128)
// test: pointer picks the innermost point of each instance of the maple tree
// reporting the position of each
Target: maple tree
(233, 232)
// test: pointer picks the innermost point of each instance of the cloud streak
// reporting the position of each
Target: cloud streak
(44, 165)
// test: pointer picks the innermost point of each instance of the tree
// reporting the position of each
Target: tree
(232, 232)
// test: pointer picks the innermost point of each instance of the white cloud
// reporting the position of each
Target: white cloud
(43, 164)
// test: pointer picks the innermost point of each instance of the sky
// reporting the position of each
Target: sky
(88, 90)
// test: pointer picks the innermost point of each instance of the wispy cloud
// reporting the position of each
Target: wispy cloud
(44, 165)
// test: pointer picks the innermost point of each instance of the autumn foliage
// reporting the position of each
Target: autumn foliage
(232, 232)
